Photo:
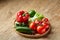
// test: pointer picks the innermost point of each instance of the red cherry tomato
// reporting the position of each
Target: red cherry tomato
(36, 21)
(33, 26)
(45, 25)
(45, 20)
(41, 29)
(40, 22)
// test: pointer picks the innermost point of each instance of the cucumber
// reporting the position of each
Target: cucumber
(24, 30)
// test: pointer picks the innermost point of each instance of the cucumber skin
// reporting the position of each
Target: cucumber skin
(24, 30)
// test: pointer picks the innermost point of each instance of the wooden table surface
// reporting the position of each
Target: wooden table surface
(9, 8)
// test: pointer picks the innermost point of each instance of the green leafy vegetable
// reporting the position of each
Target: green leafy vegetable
(36, 16)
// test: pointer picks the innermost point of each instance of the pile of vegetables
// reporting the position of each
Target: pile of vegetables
(31, 22)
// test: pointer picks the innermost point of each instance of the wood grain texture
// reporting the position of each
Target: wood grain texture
(9, 8)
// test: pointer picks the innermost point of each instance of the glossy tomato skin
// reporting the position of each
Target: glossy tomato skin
(45, 20)
(40, 23)
(45, 25)
(37, 21)
(40, 29)
(33, 26)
